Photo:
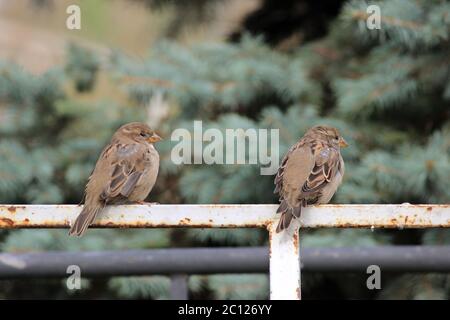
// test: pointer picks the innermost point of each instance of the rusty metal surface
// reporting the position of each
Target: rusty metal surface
(138, 216)
(285, 261)
(377, 216)
(207, 216)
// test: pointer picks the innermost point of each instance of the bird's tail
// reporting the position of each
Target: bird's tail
(287, 213)
(84, 219)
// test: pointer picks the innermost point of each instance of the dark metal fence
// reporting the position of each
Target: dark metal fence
(179, 263)
(221, 260)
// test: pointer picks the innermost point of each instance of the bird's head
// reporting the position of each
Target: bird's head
(329, 134)
(138, 132)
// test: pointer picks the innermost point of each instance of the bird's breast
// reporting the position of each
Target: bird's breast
(148, 178)
(329, 190)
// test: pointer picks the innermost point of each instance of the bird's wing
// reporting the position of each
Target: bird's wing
(305, 171)
(293, 173)
(126, 166)
(326, 164)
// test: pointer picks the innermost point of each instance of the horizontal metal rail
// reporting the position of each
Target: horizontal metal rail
(221, 260)
(228, 216)
(284, 252)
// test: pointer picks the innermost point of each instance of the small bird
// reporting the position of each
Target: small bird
(310, 172)
(125, 172)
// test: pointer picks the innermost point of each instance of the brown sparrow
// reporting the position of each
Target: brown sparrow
(125, 173)
(310, 172)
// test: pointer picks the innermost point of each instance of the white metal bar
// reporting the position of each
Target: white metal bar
(377, 216)
(232, 216)
(139, 216)
(284, 253)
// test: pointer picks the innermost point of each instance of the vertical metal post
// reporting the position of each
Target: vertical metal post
(179, 287)
(284, 263)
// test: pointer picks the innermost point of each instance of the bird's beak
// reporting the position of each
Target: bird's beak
(154, 138)
(342, 143)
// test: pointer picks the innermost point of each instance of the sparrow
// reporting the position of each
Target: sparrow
(310, 172)
(125, 172)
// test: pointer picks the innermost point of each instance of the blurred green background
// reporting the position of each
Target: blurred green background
(233, 64)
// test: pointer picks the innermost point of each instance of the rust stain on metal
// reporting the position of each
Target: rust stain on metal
(295, 239)
(6, 222)
(411, 220)
(430, 209)
(184, 222)
(340, 224)
(203, 225)
(270, 241)
(12, 209)
(26, 220)
(225, 206)
(268, 223)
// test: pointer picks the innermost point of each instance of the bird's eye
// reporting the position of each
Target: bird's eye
(143, 134)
